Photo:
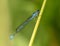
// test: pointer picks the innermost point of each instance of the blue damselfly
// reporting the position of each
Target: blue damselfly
(20, 27)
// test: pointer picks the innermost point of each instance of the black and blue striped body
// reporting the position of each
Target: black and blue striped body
(19, 28)
(35, 14)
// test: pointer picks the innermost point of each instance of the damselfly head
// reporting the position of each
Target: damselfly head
(37, 11)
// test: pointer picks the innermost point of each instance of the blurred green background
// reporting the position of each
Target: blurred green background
(49, 29)
(48, 33)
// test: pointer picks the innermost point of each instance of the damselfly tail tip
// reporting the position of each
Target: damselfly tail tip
(11, 36)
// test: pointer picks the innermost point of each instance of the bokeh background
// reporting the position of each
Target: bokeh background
(15, 12)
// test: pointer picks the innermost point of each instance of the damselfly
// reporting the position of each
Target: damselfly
(19, 28)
